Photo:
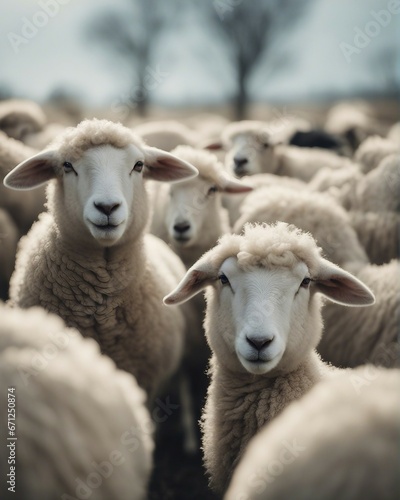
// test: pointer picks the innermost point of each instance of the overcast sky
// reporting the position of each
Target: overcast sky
(194, 67)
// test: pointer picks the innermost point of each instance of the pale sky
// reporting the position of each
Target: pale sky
(194, 68)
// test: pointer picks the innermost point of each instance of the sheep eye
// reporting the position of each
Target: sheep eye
(212, 190)
(223, 279)
(265, 145)
(138, 166)
(68, 167)
(306, 282)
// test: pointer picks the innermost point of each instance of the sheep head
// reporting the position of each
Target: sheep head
(99, 168)
(263, 304)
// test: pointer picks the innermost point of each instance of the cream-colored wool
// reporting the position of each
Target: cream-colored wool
(338, 441)
(241, 399)
(9, 236)
(110, 293)
(355, 336)
(328, 178)
(23, 207)
(373, 150)
(378, 232)
(166, 135)
(19, 118)
(378, 191)
(196, 202)
(351, 335)
(234, 202)
(353, 120)
(82, 425)
(313, 212)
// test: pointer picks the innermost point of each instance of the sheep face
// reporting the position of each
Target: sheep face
(191, 206)
(99, 192)
(263, 298)
(266, 317)
(250, 154)
(102, 198)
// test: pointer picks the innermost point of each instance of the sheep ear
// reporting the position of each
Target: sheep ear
(195, 280)
(33, 172)
(163, 166)
(213, 146)
(233, 186)
(342, 287)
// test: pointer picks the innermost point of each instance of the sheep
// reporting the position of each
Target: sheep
(43, 138)
(373, 150)
(339, 441)
(351, 336)
(379, 190)
(88, 259)
(188, 215)
(354, 121)
(81, 424)
(253, 149)
(166, 135)
(19, 118)
(24, 208)
(262, 323)
(234, 202)
(327, 178)
(313, 212)
(378, 233)
(9, 236)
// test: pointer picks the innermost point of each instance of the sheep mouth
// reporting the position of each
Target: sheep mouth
(240, 173)
(106, 227)
(182, 239)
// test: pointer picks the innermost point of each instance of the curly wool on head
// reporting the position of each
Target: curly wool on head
(206, 163)
(90, 133)
(269, 246)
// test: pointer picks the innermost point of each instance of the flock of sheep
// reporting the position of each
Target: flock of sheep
(102, 271)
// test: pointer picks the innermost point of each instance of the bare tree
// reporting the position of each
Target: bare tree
(249, 26)
(131, 36)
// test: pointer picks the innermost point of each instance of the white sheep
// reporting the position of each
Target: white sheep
(82, 427)
(339, 441)
(378, 232)
(316, 213)
(23, 207)
(327, 178)
(262, 323)
(351, 336)
(354, 121)
(378, 191)
(19, 118)
(88, 259)
(166, 135)
(9, 236)
(373, 150)
(233, 202)
(188, 214)
(253, 149)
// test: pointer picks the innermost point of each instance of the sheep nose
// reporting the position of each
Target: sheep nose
(240, 162)
(181, 227)
(259, 342)
(106, 208)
